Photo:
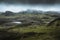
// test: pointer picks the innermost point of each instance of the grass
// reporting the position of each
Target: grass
(39, 32)
(36, 32)
(36, 29)
(32, 32)
(32, 29)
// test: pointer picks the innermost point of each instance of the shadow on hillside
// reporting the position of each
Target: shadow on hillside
(5, 35)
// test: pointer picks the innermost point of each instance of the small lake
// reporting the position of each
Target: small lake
(17, 22)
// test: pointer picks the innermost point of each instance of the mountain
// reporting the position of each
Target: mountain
(8, 13)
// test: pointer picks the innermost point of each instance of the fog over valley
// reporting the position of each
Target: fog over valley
(22, 7)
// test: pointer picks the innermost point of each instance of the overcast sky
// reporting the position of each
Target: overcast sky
(21, 5)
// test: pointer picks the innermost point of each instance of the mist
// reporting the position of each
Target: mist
(23, 5)
(20, 7)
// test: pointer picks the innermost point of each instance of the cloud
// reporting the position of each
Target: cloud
(31, 1)
(17, 8)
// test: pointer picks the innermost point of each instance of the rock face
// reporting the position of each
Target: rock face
(8, 13)
(55, 22)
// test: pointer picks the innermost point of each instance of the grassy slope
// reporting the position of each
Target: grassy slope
(35, 32)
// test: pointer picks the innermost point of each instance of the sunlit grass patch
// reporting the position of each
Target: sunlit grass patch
(33, 29)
